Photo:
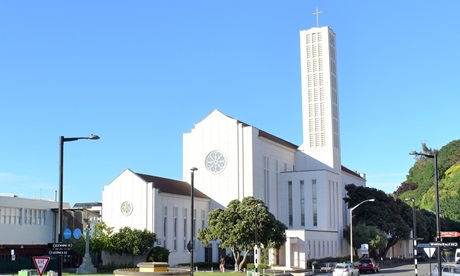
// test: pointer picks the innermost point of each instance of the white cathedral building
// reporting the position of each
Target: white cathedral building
(303, 186)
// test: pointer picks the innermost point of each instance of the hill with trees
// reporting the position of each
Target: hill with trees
(419, 184)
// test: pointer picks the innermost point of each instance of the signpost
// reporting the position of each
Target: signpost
(443, 244)
(450, 234)
(430, 252)
(59, 248)
(41, 263)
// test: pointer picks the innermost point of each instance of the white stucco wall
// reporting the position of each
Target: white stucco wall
(28, 233)
(215, 132)
(150, 207)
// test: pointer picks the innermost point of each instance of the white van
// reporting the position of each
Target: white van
(457, 255)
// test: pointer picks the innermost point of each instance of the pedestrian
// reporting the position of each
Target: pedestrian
(222, 264)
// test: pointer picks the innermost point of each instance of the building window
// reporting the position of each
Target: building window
(266, 180)
(314, 202)
(314, 248)
(31, 216)
(302, 203)
(165, 225)
(194, 224)
(203, 219)
(175, 228)
(10, 215)
(185, 228)
(290, 202)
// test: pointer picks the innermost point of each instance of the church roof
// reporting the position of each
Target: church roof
(277, 139)
(347, 170)
(262, 133)
(171, 186)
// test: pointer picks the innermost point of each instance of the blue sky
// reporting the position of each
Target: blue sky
(141, 73)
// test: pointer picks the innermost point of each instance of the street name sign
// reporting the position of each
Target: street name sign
(41, 263)
(443, 244)
(453, 234)
(59, 248)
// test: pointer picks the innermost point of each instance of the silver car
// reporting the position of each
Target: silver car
(447, 270)
(345, 269)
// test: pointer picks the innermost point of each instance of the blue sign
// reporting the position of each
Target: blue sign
(67, 233)
(77, 233)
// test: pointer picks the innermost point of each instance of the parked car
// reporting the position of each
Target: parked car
(345, 269)
(421, 256)
(368, 264)
(447, 270)
(327, 267)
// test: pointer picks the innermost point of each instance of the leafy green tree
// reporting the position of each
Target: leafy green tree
(158, 254)
(235, 227)
(132, 242)
(422, 173)
(100, 238)
(99, 241)
(386, 213)
(79, 246)
(366, 234)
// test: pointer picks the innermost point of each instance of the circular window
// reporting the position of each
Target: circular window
(215, 161)
(126, 208)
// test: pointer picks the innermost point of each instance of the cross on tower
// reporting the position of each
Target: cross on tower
(317, 16)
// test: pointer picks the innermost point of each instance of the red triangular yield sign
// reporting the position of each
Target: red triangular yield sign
(41, 263)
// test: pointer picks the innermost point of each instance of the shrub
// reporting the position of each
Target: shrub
(158, 254)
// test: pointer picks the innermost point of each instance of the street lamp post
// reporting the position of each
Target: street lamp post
(192, 245)
(414, 234)
(256, 247)
(351, 226)
(62, 140)
(436, 188)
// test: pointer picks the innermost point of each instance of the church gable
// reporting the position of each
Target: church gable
(171, 186)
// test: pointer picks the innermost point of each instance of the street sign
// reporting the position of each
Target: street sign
(450, 234)
(41, 263)
(67, 233)
(429, 251)
(442, 244)
(77, 233)
(59, 248)
(189, 246)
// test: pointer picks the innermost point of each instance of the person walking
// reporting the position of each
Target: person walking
(222, 264)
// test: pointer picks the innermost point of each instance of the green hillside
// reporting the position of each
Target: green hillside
(419, 183)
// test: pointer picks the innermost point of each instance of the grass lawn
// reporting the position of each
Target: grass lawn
(200, 273)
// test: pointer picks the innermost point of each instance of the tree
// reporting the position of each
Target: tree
(422, 173)
(366, 234)
(99, 241)
(132, 242)
(386, 213)
(100, 238)
(235, 228)
(158, 254)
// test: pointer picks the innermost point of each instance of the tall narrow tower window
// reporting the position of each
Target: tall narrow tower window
(185, 229)
(290, 202)
(266, 180)
(302, 203)
(314, 202)
(165, 225)
(175, 228)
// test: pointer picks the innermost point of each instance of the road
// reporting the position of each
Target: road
(423, 269)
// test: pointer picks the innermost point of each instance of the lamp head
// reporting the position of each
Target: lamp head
(93, 137)
(193, 169)
(413, 153)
